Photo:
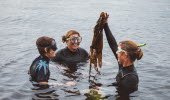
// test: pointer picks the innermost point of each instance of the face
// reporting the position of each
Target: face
(73, 42)
(50, 54)
(121, 54)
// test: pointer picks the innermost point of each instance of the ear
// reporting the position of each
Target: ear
(67, 42)
(126, 54)
(45, 49)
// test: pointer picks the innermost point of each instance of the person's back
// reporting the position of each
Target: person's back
(39, 70)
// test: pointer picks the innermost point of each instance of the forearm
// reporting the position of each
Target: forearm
(111, 40)
(47, 83)
(43, 83)
(53, 83)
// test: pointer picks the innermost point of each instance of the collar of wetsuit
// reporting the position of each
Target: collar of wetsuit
(73, 51)
(45, 58)
(128, 66)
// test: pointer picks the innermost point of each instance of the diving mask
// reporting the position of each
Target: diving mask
(120, 50)
(75, 39)
(53, 46)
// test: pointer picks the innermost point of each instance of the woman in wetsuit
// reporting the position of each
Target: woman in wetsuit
(126, 52)
(72, 54)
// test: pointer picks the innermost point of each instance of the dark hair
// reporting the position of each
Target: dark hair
(43, 42)
(69, 33)
(132, 49)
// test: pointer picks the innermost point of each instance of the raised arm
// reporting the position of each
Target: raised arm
(111, 40)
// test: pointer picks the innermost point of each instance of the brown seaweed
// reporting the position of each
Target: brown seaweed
(97, 43)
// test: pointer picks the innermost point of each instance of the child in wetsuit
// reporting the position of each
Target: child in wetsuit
(39, 70)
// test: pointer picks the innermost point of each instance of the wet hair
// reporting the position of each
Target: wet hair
(43, 42)
(132, 49)
(69, 33)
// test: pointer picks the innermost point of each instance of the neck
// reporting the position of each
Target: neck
(45, 56)
(127, 63)
(73, 50)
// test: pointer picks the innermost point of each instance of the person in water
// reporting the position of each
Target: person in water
(126, 53)
(39, 70)
(72, 54)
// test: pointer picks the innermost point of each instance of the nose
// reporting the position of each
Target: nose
(76, 41)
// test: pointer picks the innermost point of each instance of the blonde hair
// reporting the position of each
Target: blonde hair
(69, 33)
(132, 49)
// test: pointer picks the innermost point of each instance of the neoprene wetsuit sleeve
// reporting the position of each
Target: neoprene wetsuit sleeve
(42, 77)
(111, 39)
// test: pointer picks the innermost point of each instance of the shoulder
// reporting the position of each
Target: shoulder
(59, 55)
(35, 64)
(40, 60)
(36, 60)
(61, 50)
(82, 50)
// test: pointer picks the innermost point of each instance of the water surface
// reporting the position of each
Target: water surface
(143, 21)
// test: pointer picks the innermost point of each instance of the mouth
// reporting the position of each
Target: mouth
(75, 44)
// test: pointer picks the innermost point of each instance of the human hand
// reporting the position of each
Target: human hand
(65, 68)
(97, 88)
(55, 83)
(106, 16)
(70, 83)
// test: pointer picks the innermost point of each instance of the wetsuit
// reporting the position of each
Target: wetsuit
(39, 70)
(67, 57)
(127, 77)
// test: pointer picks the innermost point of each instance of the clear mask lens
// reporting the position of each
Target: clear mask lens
(75, 39)
(120, 50)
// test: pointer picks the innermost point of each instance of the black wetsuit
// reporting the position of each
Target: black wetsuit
(67, 57)
(39, 70)
(127, 77)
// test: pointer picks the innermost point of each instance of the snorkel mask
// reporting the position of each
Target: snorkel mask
(141, 45)
(53, 46)
(75, 39)
(121, 50)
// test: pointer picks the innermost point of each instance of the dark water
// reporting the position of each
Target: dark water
(23, 21)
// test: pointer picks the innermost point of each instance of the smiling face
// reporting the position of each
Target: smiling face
(73, 45)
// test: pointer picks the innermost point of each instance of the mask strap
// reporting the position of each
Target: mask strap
(141, 45)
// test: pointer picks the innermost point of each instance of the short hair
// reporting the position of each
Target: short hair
(43, 42)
